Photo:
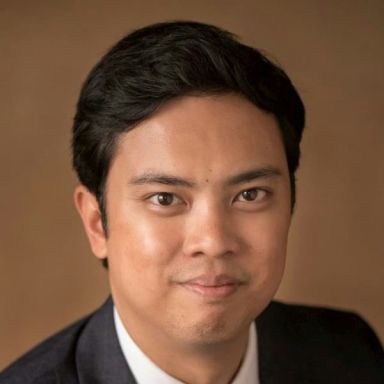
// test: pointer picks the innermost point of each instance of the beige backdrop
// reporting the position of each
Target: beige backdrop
(334, 52)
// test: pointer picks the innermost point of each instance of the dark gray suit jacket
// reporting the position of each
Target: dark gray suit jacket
(296, 344)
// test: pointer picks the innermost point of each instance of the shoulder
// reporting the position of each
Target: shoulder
(314, 315)
(43, 363)
(327, 339)
(328, 322)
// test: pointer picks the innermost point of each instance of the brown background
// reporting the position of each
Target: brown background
(334, 52)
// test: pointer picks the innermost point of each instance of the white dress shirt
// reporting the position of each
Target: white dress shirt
(146, 371)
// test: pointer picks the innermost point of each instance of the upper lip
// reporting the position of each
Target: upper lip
(211, 280)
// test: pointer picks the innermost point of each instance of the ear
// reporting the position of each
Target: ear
(89, 211)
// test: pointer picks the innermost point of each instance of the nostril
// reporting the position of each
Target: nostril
(213, 241)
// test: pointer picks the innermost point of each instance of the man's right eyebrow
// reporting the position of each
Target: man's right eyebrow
(158, 178)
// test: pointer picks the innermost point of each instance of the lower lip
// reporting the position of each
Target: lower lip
(212, 292)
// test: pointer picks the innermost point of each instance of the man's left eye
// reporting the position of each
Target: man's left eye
(251, 195)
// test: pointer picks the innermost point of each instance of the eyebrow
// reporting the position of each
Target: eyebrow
(244, 177)
(253, 174)
(158, 178)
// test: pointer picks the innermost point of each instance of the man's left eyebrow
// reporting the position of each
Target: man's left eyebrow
(253, 174)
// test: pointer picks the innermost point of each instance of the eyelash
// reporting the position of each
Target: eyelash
(264, 193)
(158, 194)
(258, 191)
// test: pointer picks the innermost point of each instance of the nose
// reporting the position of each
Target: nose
(210, 231)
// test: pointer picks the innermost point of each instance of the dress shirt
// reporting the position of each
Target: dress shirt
(146, 371)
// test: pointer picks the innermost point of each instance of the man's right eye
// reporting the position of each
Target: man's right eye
(164, 199)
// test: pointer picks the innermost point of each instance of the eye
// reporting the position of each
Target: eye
(164, 199)
(251, 195)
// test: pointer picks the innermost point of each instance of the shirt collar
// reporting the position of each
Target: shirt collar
(146, 371)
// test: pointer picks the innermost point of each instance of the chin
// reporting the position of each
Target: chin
(211, 328)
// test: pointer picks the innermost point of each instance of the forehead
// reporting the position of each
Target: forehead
(197, 134)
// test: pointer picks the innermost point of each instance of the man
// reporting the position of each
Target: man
(186, 144)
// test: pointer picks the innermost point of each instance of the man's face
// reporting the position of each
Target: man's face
(198, 209)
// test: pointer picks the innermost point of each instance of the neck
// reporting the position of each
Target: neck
(213, 363)
(217, 364)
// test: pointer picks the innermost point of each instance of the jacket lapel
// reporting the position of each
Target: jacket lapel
(99, 358)
(274, 346)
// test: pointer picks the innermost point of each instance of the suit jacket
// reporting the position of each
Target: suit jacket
(296, 344)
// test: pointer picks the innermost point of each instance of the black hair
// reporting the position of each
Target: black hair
(157, 63)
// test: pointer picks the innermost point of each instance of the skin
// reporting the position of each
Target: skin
(198, 208)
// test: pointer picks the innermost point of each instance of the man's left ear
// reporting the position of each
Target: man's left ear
(90, 214)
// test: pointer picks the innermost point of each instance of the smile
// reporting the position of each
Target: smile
(212, 287)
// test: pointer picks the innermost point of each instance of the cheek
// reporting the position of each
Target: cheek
(142, 249)
(139, 259)
(268, 242)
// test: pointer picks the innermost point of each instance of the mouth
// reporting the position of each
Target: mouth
(213, 286)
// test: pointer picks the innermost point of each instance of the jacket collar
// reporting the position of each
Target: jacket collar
(275, 341)
(99, 358)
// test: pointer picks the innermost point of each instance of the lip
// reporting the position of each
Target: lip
(213, 286)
